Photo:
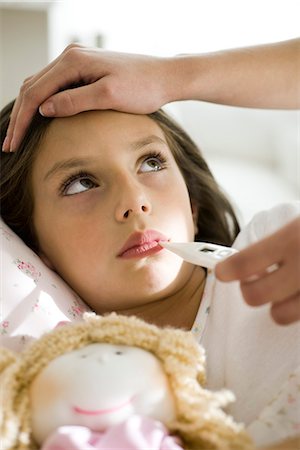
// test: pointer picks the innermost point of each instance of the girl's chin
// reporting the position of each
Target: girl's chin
(139, 287)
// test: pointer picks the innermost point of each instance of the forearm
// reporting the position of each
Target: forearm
(265, 76)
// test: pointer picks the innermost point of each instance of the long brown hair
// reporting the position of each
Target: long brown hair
(16, 196)
(217, 222)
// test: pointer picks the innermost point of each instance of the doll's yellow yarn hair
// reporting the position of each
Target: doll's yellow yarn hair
(200, 421)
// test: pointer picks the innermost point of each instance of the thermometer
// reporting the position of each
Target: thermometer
(199, 253)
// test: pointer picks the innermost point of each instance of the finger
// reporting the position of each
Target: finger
(27, 84)
(12, 119)
(33, 92)
(9, 131)
(287, 311)
(272, 287)
(252, 260)
(52, 81)
(281, 246)
(74, 101)
(34, 78)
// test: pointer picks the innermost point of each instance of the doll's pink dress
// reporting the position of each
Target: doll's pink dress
(136, 433)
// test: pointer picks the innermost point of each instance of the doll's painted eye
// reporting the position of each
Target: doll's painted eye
(118, 352)
(83, 356)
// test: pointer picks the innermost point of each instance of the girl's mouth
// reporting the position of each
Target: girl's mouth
(141, 244)
(140, 251)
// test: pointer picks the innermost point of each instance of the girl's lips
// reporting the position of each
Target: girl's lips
(142, 244)
(139, 251)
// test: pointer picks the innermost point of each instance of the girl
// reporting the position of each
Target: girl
(262, 76)
(99, 191)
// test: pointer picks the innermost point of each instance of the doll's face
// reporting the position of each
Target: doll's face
(99, 386)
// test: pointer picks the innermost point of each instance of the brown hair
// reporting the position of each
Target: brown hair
(16, 196)
(217, 222)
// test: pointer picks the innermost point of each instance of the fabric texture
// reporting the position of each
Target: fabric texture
(247, 352)
(135, 433)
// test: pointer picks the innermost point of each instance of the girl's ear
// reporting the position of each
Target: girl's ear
(46, 261)
(195, 211)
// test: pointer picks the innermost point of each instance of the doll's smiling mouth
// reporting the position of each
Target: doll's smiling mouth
(98, 412)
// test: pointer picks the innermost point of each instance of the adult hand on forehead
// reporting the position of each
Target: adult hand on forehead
(279, 286)
(108, 80)
(142, 84)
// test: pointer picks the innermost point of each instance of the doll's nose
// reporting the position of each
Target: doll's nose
(103, 358)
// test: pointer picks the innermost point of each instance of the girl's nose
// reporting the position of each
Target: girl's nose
(132, 202)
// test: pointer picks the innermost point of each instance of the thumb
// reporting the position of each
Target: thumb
(73, 101)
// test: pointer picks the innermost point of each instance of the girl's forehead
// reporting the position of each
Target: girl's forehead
(95, 132)
(108, 124)
(95, 136)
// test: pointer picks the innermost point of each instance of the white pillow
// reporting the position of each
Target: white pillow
(34, 299)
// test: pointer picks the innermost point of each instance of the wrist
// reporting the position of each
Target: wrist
(187, 77)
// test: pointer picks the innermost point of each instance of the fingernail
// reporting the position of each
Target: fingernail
(5, 146)
(47, 109)
(12, 146)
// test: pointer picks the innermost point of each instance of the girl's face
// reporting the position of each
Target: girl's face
(106, 189)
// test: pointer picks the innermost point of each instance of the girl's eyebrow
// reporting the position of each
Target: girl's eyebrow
(152, 139)
(73, 163)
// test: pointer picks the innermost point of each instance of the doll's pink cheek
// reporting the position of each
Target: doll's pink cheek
(44, 391)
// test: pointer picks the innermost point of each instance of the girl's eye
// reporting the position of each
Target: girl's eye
(153, 163)
(77, 183)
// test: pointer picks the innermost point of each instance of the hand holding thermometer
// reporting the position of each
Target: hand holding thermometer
(200, 253)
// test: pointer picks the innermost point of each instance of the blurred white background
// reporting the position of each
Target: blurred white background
(254, 154)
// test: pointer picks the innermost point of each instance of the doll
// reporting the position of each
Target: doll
(113, 382)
